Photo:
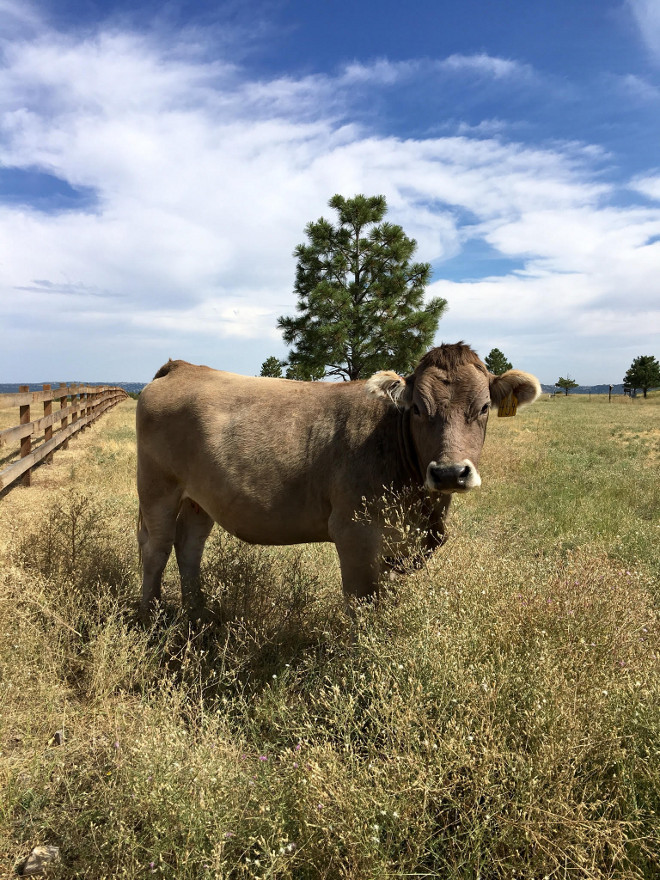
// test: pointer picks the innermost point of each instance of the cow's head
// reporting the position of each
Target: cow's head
(449, 397)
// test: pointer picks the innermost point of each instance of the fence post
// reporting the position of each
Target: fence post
(48, 431)
(26, 442)
(64, 422)
(75, 405)
(85, 410)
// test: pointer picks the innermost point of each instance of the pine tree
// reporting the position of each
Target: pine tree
(496, 362)
(644, 373)
(272, 366)
(566, 384)
(305, 372)
(360, 299)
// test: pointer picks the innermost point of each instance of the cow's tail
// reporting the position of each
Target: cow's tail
(139, 529)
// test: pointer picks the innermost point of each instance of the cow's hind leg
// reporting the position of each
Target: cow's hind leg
(156, 537)
(193, 526)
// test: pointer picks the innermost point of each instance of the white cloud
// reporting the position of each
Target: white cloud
(648, 185)
(18, 16)
(387, 73)
(485, 128)
(206, 179)
(229, 318)
(647, 17)
(382, 71)
(638, 88)
(486, 65)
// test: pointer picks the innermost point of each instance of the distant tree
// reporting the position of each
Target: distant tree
(566, 384)
(303, 373)
(360, 299)
(272, 366)
(644, 373)
(497, 363)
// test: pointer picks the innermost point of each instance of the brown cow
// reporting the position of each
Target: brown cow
(282, 462)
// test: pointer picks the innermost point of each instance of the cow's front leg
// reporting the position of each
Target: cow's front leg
(193, 526)
(359, 547)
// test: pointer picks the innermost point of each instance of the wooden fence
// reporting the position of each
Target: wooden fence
(79, 406)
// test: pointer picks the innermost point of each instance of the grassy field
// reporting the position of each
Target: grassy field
(499, 719)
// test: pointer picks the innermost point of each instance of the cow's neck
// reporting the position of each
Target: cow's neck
(407, 450)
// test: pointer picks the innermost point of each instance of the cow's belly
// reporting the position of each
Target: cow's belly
(291, 515)
(261, 533)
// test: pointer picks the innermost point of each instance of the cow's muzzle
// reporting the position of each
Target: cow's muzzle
(459, 477)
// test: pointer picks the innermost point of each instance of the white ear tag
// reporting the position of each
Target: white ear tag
(509, 406)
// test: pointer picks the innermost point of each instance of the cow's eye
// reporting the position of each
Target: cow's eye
(416, 410)
(484, 409)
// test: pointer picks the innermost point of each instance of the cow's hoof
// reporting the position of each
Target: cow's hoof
(200, 616)
(145, 616)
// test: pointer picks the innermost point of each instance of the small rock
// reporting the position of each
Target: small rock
(39, 860)
(57, 738)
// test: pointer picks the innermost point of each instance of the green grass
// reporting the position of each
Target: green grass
(498, 718)
(584, 471)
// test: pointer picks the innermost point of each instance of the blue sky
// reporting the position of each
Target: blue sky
(159, 162)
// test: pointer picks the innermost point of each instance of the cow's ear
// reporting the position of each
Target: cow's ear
(524, 386)
(390, 385)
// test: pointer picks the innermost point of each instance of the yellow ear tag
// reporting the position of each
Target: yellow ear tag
(508, 406)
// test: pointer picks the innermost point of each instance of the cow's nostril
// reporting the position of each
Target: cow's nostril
(464, 475)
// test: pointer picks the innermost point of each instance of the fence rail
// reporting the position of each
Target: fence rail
(79, 406)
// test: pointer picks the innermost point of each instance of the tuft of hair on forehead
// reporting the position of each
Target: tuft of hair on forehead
(450, 357)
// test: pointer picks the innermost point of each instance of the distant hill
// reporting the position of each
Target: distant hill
(585, 389)
(133, 387)
(12, 387)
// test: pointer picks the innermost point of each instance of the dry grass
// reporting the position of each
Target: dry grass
(499, 719)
